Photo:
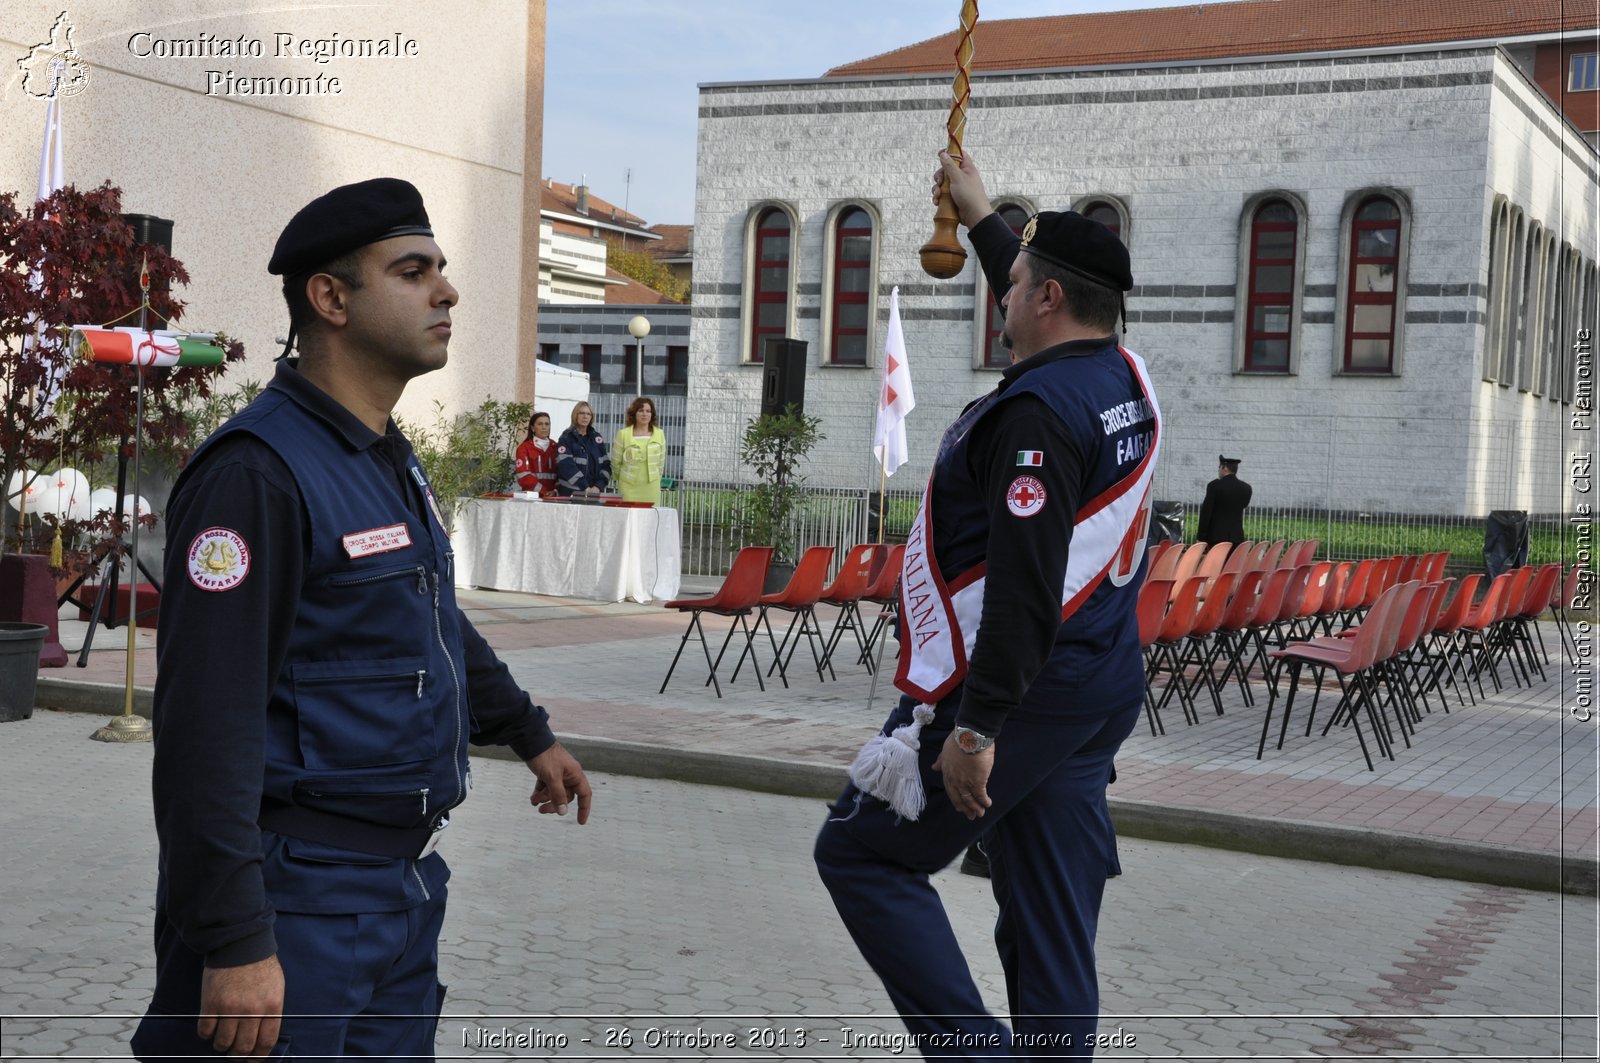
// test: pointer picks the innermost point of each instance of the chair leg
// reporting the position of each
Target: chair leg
(718, 662)
(1266, 719)
(813, 635)
(750, 648)
(779, 662)
(694, 625)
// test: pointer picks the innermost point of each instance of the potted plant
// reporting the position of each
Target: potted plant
(774, 445)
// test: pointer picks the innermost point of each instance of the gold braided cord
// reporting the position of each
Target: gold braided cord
(961, 88)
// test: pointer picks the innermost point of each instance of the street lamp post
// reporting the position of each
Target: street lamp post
(638, 328)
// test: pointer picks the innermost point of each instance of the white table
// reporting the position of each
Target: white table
(607, 553)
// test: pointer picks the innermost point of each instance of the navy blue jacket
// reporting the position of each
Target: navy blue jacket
(314, 701)
(582, 462)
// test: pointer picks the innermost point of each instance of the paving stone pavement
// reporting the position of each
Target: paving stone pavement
(1517, 769)
(686, 911)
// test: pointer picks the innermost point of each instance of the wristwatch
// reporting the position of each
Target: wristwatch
(970, 741)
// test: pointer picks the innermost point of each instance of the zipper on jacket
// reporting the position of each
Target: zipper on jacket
(455, 678)
(379, 577)
(422, 674)
(420, 885)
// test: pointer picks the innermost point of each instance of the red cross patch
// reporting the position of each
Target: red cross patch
(1025, 496)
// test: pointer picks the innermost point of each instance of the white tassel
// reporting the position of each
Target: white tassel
(887, 769)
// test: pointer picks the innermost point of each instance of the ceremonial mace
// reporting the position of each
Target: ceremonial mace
(943, 255)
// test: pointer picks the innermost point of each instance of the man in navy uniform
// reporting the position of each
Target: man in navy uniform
(317, 683)
(1222, 512)
(1019, 657)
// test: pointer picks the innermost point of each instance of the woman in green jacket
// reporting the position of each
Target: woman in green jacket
(639, 454)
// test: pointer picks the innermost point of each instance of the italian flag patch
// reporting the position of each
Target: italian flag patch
(1031, 458)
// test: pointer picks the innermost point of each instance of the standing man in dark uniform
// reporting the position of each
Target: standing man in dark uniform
(317, 683)
(1222, 512)
(1019, 657)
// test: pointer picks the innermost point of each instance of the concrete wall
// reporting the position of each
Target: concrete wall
(230, 170)
(1184, 149)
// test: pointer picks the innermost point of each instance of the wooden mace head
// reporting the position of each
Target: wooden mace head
(943, 256)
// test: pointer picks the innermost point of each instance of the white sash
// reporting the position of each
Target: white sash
(939, 624)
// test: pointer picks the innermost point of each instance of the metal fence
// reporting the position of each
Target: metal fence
(710, 515)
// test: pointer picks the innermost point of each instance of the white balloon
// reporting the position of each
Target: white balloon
(44, 496)
(24, 481)
(101, 498)
(140, 501)
(71, 497)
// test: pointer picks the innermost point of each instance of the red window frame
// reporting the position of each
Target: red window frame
(994, 355)
(1260, 299)
(591, 361)
(1354, 298)
(772, 225)
(842, 298)
(678, 365)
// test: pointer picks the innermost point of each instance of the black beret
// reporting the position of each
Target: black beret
(349, 217)
(1079, 245)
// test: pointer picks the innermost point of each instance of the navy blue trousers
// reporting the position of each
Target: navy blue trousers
(1051, 847)
(354, 985)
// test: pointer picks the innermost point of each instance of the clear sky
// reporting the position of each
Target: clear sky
(621, 75)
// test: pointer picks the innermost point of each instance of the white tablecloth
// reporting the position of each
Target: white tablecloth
(607, 553)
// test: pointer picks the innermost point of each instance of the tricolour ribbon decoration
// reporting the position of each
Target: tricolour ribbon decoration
(144, 347)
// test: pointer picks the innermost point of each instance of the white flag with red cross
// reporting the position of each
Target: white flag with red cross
(895, 399)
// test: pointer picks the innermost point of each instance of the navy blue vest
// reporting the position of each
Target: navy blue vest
(367, 725)
(1102, 636)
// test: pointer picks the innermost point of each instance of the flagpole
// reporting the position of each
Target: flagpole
(883, 492)
(130, 727)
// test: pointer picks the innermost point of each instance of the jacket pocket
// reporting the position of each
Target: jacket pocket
(403, 801)
(364, 714)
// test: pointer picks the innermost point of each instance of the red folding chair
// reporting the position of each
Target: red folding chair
(737, 597)
(1351, 660)
(1151, 610)
(1561, 601)
(850, 584)
(799, 599)
(884, 593)
(1165, 656)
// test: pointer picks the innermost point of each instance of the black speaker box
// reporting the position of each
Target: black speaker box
(149, 229)
(783, 375)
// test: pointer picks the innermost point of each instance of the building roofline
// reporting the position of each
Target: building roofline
(1412, 47)
(599, 223)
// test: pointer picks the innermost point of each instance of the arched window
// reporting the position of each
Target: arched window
(1372, 284)
(1499, 257)
(850, 286)
(995, 356)
(1270, 283)
(1571, 321)
(1523, 311)
(770, 280)
(1104, 213)
(1515, 263)
(1271, 287)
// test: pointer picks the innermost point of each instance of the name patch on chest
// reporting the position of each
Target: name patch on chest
(377, 540)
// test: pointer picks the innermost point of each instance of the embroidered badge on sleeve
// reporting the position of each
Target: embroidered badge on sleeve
(219, 560)
(1032, 458)
(1025, 496)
